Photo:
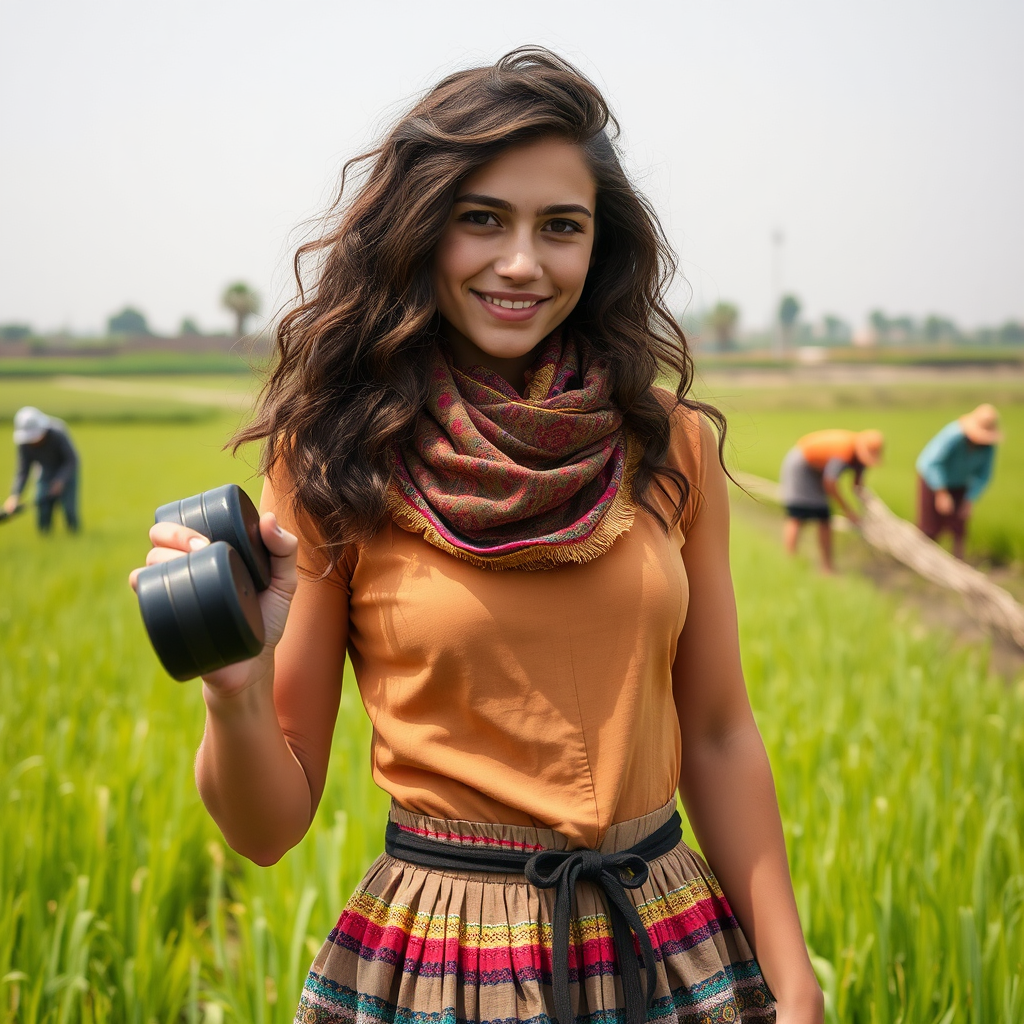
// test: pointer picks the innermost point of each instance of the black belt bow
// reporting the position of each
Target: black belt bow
(612, 873)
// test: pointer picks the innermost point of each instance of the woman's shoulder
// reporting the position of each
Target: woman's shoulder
(319, 562)
(690, 433)
(691, 444)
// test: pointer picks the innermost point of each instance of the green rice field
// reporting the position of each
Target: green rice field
(896, 756)
(137, 362)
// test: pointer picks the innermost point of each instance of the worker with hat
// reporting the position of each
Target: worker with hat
(809, 477)
(43, 441)
(953, 470)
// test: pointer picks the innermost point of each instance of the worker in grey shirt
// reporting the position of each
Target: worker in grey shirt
(43, 441)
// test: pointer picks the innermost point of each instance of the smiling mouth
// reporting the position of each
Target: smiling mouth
(505, 303)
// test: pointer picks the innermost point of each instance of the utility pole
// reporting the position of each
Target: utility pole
(778, 341)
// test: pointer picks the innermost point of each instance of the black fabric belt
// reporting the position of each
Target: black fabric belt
(612, 873)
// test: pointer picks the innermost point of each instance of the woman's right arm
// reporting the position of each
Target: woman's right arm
(262, 763)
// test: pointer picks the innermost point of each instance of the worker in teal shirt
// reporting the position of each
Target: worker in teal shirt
(953, 470)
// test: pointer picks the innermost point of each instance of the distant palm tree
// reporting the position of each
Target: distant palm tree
(722, 320)
(789, 310)
(242, 301)
(880, 322)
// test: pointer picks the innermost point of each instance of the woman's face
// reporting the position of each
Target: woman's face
(514, 255)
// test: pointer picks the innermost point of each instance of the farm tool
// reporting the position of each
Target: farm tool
(5, 515)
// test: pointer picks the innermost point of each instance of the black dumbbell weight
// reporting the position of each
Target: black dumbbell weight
(202, 611)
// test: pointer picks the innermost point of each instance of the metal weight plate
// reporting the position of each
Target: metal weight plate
(225, 513)
(228, 601)
(173, 622)
(201, 611)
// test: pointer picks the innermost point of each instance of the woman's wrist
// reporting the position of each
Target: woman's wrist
(802, 1000)
(230, 694)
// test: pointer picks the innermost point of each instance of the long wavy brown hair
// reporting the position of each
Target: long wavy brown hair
(348, 384)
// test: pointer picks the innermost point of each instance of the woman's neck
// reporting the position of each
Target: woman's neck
(512, 370)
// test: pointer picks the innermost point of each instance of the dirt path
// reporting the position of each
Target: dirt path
(938, 608)
(190, 395)
(830, 374)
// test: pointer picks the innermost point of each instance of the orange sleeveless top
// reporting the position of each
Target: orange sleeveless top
(539, 698)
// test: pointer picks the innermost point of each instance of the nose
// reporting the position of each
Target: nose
(519, 262)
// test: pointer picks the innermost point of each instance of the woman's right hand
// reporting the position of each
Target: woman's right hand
(171, 540)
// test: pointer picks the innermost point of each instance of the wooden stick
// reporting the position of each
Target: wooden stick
(987, 603)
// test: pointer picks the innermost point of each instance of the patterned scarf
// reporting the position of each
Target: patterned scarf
(507, 481)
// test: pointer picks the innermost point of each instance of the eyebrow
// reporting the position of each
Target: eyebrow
(504, 204)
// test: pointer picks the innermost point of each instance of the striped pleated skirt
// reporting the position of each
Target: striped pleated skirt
(419, 945)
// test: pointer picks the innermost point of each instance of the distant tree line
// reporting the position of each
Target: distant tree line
(15, 332)
(721, 325)
(239, 298)
(935, 328)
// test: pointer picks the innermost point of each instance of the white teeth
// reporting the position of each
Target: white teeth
(508, 303)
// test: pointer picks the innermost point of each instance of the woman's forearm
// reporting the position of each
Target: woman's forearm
(249, 779)
(727, 788)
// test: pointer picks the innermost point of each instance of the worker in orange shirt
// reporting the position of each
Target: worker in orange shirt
(809, 477)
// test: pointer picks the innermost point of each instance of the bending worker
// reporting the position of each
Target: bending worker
(953, 470)
(43, 440)
(809, 477)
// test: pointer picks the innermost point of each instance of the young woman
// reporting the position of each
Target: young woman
(474, 488)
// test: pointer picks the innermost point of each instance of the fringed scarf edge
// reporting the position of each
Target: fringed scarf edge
(616, 521)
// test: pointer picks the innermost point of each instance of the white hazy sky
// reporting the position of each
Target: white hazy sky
(150, 153)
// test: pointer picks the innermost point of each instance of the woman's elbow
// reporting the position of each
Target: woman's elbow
(265, 852)
(264, 858)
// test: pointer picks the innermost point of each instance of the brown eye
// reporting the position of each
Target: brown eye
(482, 217)
(563, 227)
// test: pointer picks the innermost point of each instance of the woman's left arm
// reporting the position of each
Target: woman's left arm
(725, 780)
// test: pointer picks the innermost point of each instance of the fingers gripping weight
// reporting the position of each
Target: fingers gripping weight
(202, 611)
